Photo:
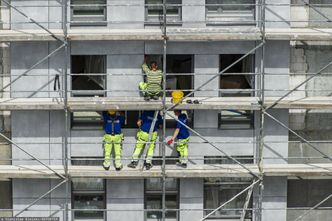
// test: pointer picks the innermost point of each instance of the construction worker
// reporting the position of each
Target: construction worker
(145, 124)
(113, 137)
(152, 87)
(182, 134)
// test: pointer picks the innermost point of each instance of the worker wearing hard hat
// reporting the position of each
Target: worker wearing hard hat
(113, 138)
(151, 88)
(145, 124)
(182, 134)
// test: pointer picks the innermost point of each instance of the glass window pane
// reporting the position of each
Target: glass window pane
(154, 184)
(236, 5)
(154, 10)
(230, 12)
(83, 12)
(88, 184)
(78, 161)
(236, 119)
(154, 202)
(225, 160)
(153, 198)
(88, 194)
(89, 202)
(219, 190)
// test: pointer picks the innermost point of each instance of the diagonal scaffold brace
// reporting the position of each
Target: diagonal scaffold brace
(217, 148)
(230, 200)
(33, 21)
(32, 156)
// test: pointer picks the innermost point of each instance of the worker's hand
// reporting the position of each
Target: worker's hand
(139, 123)
(165, 37)
(170, 141)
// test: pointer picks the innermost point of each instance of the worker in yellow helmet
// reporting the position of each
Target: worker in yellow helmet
(113, 138)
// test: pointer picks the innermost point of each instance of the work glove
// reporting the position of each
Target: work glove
(170, 142)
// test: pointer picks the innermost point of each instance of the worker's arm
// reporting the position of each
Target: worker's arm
(145, 68)
(122, 118)
(139, 123)
(104, 114)
(175, 134)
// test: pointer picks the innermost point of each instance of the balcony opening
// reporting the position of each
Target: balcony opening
(88, 75)
(238, 81)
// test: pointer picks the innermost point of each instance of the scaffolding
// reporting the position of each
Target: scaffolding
(167, 33)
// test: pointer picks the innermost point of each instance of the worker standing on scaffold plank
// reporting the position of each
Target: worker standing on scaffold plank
(151, 88)
(145, 124)
(182, 134)
(113, 137)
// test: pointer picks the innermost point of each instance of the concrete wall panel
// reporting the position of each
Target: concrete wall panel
(121, 15)
(191, 197)
(277, 16)
(118, 85)
(125, 195)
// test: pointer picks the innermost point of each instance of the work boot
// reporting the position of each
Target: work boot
(183, 165)
(147, 98)
(118, 168)
(148, 166)
(133, 164)
(106, 165)
(155, 97)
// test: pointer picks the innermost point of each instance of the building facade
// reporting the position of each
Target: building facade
(106, 64)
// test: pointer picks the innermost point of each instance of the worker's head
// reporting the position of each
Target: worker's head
(111, 112)
(177, 112)
(153, 65)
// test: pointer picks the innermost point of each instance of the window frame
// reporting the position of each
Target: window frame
(236, 124)
(76, 20)
(230, 17)
(81, 93)
(220, 159)
(89, 193)
(158, 19)
(231, 182)
(158, 193)
(248, 122)
(83, 124)
(229, 185)
(93, 124)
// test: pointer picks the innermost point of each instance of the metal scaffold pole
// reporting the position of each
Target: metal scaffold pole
(163, 167)
(66, 111)
(262, 116)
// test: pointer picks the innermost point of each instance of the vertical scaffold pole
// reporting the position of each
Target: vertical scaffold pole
(262, 116)
(164, 31)
(66, 113)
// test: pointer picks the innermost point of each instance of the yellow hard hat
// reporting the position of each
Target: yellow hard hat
(111, 112)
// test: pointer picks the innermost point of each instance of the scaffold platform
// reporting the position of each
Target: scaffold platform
(174, 34)
(138, 103)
